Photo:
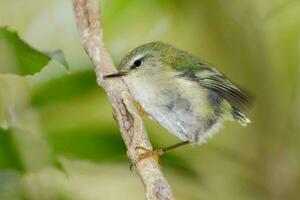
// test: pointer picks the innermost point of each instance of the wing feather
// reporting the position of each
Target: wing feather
(195, 69)
(227, 90)
(215, 81)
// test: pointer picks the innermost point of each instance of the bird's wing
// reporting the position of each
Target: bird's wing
(222, 86)
(208, 77)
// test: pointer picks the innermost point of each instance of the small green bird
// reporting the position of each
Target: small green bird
(185, 94)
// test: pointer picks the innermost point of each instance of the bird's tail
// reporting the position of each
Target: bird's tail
(240, 117)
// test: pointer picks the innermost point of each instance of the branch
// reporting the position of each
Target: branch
(130, 123)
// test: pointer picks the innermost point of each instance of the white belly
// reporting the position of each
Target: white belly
(178, 106)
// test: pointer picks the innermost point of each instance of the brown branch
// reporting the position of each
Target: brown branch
(130, 123)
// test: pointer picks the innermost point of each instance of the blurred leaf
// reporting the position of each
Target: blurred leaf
(9, 156)
(64, 88)
(101, 146)
(17, 57)
(89, 144)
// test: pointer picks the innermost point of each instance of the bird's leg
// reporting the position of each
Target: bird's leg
(157, 152)
(174, 146)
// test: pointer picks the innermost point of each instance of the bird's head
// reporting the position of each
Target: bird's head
(144, 58)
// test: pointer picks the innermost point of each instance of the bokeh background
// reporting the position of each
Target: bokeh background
(58, 139)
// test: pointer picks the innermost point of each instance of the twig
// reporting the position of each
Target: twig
(130, 123)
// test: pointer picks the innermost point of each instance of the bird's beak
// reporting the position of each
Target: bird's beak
(115, 75)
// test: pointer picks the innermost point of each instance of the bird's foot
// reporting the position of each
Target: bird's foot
(155, 154)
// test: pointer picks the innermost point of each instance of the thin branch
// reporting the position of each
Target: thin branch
(130, 123)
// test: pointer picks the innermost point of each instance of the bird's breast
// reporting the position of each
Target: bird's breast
(177, 104)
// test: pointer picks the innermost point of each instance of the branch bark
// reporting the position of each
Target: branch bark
(130, 123)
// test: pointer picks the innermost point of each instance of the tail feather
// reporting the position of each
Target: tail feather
(238, 116)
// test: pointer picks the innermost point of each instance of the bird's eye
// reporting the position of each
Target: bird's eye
(137, 63)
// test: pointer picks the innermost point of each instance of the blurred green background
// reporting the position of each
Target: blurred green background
(58, 139)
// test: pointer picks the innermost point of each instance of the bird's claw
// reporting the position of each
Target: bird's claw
(155, 154)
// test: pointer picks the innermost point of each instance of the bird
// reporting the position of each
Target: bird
(183, 93)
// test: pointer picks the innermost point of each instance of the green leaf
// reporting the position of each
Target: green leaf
(87, 143)
(18, 57)
(65, 88)
(9, 156)
(101, 145)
